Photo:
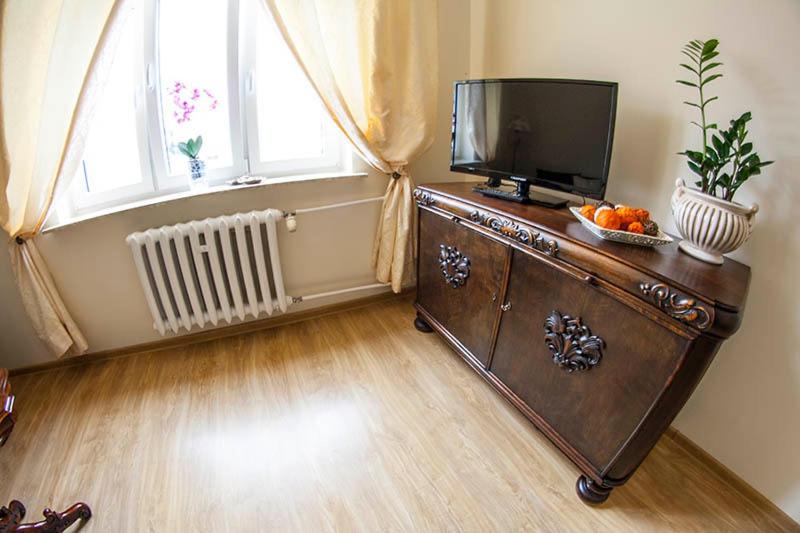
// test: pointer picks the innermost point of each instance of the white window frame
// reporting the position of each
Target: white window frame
(333, 156)
(83, 201)
(243, 119)
(167, 183)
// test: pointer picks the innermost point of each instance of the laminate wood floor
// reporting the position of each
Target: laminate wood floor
(349, 422)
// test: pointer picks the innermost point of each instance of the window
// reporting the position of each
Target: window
(217, 69)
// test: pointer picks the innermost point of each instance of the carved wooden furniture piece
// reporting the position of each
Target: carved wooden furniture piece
(7, 416)
(11, 516)
(598, 343)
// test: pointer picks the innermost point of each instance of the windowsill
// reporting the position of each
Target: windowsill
(214, 189)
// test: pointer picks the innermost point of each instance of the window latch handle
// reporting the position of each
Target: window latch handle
(149, 77)
(250, 81)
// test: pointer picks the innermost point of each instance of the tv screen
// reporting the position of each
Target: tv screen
(551, 133)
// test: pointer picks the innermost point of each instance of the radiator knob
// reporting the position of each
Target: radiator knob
(291, 223)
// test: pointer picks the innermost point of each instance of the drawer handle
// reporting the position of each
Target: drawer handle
(572, 344)
(506, 306)
(454, 265)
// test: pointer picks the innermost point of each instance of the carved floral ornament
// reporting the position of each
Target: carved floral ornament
(454, 265)
(423, 197)
(677, 305)
(514, 231)
(572, 344)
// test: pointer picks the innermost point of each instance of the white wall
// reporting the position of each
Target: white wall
(92, 265)
(745, 411)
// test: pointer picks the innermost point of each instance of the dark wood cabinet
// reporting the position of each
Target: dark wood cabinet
(599, 344)
(464, 283)
(596, 406)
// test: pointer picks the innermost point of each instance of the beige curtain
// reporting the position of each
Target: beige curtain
(374, 64)
(53, 60)
(482, 102)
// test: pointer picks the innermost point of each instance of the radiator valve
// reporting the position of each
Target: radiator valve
(291, 222)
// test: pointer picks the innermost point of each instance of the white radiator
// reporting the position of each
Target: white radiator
(209, 270)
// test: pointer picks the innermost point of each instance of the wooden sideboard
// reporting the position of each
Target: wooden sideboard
(598, 343)
(7, 415)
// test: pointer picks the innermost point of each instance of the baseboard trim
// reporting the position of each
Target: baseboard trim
(214, 334)
(783, 521)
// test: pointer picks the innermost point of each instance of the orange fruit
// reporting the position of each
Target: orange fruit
(636, 227)
(608, 218)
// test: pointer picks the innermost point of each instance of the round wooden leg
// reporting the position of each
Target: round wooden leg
(421, 325)
(591, 492)
(11, 516)
(84, 511)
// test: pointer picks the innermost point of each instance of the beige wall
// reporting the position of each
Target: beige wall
(745, 411)
(92, 265)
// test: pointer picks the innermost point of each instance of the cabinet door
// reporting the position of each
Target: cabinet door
(460, 281)
(587, 364)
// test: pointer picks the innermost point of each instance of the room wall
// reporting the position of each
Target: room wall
(92, 265)
(744, 412)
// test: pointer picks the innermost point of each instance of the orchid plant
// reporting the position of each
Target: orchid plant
(185, 102)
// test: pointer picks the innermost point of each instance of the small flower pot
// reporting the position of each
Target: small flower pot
(710, 226)
(197, 174)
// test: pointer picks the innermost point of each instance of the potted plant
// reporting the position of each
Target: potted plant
(197, 167)
(186, 102)
(708, 219)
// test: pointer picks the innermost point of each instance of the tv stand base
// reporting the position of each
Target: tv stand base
(568, 328)
(520, 194)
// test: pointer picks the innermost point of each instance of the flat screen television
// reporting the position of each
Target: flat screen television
(550, 133)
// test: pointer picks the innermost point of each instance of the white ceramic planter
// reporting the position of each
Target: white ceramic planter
(709, 225)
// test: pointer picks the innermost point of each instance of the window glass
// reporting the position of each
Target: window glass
(179, 70)
(291, 118)
(111, 159)
(193, 69)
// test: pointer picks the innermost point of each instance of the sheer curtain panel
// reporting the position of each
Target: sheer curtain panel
(374, 64)
(53, 58)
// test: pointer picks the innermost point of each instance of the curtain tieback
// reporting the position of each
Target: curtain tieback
(398, 170)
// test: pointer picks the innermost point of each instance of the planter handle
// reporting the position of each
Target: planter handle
(680, 187)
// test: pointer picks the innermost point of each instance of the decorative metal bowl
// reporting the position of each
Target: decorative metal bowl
(622, 236)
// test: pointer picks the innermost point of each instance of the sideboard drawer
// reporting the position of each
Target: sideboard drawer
(461, 274)
(590, 366)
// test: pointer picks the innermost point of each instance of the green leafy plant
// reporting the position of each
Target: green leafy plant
(731, 147)
(726, 147)
(191, 148)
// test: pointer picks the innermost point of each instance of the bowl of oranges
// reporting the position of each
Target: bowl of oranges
(621, 223)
